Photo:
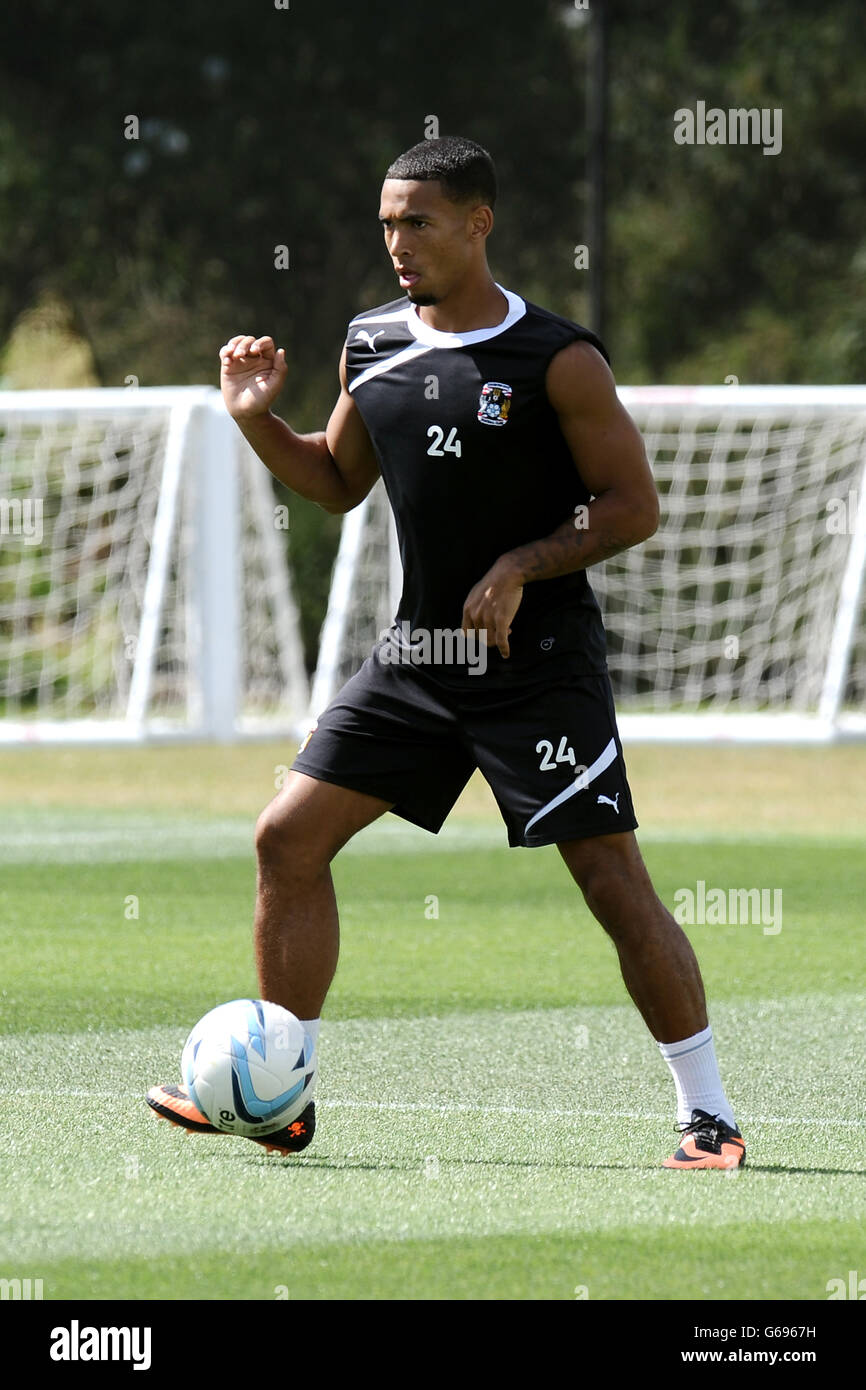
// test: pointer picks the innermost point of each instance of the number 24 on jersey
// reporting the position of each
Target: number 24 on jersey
(437, 449)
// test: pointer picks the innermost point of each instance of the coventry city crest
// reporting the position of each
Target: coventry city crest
(494, 403)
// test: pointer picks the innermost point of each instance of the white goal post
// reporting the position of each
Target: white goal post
(744, 617)
(144, 580)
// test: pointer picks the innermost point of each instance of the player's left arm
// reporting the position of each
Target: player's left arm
(609, 455)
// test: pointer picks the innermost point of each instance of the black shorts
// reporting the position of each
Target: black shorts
(547, 744)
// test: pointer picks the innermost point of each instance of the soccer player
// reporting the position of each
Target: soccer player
(511, 467)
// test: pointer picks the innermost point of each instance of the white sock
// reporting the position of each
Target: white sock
(311, 1026)
(696, 1076)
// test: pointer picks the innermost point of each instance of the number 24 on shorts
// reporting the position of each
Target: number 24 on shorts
(564, 754)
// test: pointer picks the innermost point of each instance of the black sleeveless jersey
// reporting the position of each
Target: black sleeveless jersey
(475, 464)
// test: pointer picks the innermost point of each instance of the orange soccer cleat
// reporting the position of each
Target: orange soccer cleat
(708, 1142)
(173, 1103)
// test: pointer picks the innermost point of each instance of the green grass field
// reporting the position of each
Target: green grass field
(492, 1112)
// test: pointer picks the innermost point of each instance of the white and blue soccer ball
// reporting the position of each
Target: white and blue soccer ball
(250, 1067)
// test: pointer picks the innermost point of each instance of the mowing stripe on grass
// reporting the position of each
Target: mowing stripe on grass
(589, 1060)
(481, 1124)
(70, 837)
(525, 1110)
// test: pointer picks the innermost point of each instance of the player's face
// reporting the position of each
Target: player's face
(432, 241)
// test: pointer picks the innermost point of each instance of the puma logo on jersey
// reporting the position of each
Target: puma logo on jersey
(609, 802)
(362, 333)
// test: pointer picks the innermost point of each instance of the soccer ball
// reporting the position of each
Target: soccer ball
(250, 1067)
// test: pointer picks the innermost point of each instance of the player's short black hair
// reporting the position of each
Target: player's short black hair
(464, 169)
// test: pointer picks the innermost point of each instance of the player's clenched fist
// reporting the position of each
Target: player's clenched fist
(252, 373)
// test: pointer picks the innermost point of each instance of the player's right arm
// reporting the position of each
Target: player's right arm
(336, 467)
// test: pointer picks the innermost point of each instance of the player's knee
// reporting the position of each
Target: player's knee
(269, 836)
(604, 864)
(285, 843)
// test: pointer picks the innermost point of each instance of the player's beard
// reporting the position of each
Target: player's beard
(423, 299)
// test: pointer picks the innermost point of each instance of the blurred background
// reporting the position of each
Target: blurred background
(258, 127)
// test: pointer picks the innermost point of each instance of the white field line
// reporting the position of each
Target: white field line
(411, 1107)
(172, 839)
(584, 1114)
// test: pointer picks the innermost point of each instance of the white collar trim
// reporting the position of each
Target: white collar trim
(434, 337)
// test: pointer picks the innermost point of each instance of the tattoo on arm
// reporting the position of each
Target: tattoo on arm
(567, 550)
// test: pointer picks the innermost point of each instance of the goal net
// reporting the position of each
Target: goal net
(744, 616)
(144, 583)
